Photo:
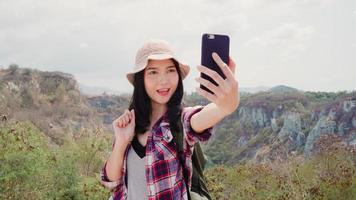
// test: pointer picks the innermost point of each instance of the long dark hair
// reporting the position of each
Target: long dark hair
(141, 103)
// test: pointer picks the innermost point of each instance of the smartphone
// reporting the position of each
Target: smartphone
(214, 43)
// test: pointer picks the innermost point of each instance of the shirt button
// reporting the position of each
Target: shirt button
(167, 138)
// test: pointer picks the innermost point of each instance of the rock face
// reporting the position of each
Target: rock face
(273, 124)
(325, 125)
(41, 81)
(256, 116)
(50, 100)
(282, 120)
(292, 128)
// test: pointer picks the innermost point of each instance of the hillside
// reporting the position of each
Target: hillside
(280, 144)
(50, 100)
(273, 125)
(34, 169)
(267, 126)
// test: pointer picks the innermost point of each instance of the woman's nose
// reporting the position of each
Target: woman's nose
(164, 79)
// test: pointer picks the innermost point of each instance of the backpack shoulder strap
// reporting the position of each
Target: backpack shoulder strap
(198, 162)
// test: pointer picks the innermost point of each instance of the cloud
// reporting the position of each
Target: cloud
(100, 37)
(83, 45)
(288, 39)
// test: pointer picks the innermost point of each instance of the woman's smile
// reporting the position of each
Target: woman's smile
(163, 92)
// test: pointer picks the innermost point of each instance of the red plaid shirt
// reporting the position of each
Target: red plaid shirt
(164, 173)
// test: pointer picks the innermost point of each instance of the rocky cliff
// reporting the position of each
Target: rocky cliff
(51, 100)
(268, 125)
(281, 122)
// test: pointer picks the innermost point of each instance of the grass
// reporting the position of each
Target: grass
(329, 174)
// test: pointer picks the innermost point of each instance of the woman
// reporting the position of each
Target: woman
(144, 163)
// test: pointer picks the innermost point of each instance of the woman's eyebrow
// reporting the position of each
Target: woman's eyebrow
(153, 68)
(148, 68)
(171, 66)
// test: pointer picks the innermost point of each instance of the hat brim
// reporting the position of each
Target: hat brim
(183, 67)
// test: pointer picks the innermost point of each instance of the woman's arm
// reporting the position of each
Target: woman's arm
(206, 118)
(225, 99)
(114, 164)
(124, 128)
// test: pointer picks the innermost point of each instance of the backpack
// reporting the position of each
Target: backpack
(198, 164)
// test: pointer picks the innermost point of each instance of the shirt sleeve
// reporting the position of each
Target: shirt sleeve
(111, 185)
(106, 182)
(191, 136)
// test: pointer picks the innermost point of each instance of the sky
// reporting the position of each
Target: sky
(306, 44)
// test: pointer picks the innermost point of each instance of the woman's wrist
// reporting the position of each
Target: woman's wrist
(121, 144)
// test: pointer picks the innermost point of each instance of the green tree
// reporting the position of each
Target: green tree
(13, 68)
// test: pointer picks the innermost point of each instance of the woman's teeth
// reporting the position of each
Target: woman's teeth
(163, 92)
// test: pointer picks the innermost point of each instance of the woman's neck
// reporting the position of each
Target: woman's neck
(157, 111)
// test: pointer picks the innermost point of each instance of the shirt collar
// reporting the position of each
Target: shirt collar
(161, 127)
(162, 121)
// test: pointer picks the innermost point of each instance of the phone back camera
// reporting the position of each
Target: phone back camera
(210, 36)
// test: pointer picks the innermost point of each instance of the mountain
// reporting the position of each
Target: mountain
(282, 89)
(268, 125)
(95, 90)
(254, 89)
(50, 100)
(272, 126)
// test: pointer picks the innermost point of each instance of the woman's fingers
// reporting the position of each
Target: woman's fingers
(123, 123)
(224, 67)
(226, 95)
(132, 115)
(127, 117)
(217, 59)
(123, 120)
(207, 95)
(211, 86)
(117, 122)
(232, 65)
(212, 74)
(223, 85)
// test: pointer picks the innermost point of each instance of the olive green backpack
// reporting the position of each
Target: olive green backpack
(198, 163)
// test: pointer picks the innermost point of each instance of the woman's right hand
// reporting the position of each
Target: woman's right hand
(124, 127)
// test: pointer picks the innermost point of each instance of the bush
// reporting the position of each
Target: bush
(66, 176)
(32, 169)
(13, 68)
(328, 175)
(23, 162)
(27, 71)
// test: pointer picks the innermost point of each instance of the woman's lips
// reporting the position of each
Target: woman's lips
(163, 92)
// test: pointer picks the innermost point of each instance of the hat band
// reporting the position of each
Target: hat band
(145, 56)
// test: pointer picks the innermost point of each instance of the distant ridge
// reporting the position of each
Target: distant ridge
(283, 89)
(254, 89)
(96, 90)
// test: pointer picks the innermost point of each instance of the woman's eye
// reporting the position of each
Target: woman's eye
(152, 72)
(171, 70)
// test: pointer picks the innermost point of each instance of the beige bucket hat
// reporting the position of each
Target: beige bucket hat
(154, 50)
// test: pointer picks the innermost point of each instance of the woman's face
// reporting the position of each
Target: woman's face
(161, 80)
